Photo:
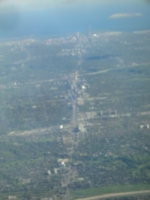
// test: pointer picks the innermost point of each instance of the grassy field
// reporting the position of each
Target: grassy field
(107, 190)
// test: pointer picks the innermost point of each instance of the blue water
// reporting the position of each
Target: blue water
(65, 21)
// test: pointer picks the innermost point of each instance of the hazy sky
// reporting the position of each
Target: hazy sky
(12, 5)
(46, 17)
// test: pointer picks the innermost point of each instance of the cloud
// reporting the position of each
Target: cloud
(123, 15)
(138, 14)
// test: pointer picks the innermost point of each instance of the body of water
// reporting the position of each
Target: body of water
(66, 21)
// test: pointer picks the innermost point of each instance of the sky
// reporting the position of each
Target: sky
(59, 17)
(13, 5)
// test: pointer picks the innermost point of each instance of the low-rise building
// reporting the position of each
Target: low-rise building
(12, 197)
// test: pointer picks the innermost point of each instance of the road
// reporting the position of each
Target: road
(142, 192)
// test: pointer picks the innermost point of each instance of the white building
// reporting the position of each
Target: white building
(61, 127)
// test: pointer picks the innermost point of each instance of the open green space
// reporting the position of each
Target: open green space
(90, 192)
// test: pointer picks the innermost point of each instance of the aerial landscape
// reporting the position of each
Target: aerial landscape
(75, 116)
